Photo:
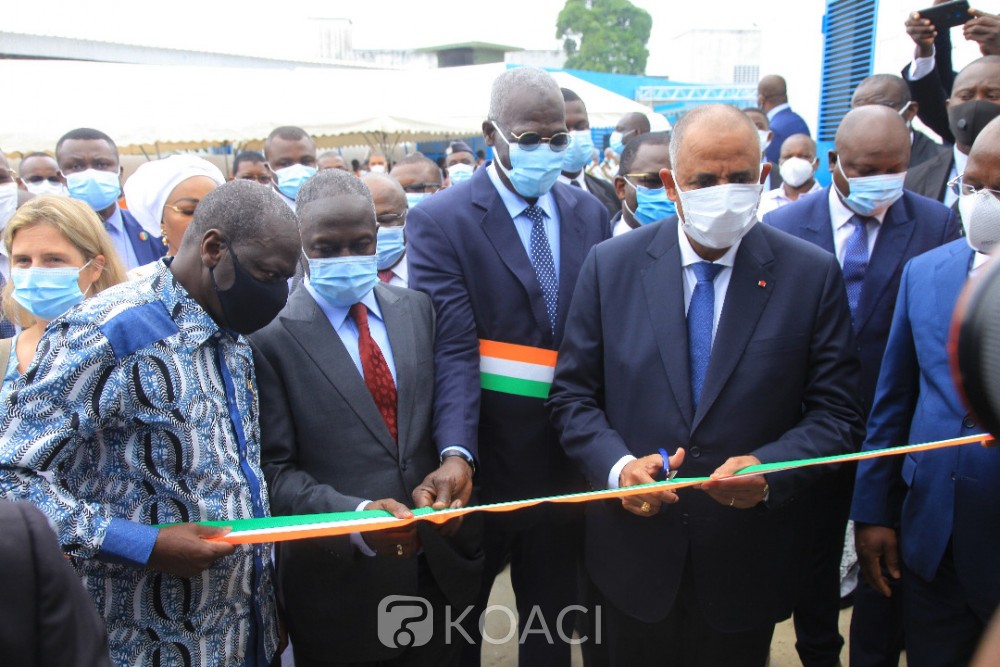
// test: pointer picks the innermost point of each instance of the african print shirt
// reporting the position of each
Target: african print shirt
(145, 413)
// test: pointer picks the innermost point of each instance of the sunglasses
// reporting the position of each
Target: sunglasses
(529, 141)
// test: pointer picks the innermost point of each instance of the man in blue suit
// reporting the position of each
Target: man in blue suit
(868, 166)
(499, 256)
(772, 97)
(940, 509)
(732, 341)
(89, 160)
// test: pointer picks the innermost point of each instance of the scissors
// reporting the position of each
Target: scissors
(668, 474)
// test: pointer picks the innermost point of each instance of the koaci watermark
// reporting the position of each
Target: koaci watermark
(405, 621)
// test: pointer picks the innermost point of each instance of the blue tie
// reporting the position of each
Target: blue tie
(7, 329)
(541, 259)
(856, 262)
(701, 317)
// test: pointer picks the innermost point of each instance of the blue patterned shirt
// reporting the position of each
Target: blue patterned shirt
(145, 413)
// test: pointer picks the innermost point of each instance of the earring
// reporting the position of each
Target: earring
(163, 236)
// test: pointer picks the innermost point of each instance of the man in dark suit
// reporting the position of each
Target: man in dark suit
(872, 142)
(499, 256)
(89, 160)
(48, 618)
(343, 373)
(891, 91)
(703, 575)
(581, 152)
(972, 104)
(772, 98)
(939, 510)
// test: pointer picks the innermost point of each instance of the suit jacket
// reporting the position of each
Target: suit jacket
(937, 496)
(604, 191)
(464, 252)
(48, 620)
(784, 124)
(148, 248)
(923, 149)
(913, 225)
(325, 448)
(930, 178)
(932, 91)
(781, 384)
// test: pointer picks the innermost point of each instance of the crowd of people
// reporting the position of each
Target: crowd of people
(307, 336)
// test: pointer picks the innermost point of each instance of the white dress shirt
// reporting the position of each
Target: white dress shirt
(840, 217)
(621, 227)
(959, 160)
(400, 273)
(516, 206)
(776, 198)
(776, 110)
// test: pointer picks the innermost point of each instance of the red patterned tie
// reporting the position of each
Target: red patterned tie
(385, 275)
(378, 377)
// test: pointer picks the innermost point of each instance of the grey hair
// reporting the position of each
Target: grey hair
(722, 112)
(521, 78)
(331, 183)
(242, 210)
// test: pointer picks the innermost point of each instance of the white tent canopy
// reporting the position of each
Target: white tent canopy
(152, 109)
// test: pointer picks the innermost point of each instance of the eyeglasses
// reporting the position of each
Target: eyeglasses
(649, 180)
(960, 187)
(418, 188)
(529, 141)
(391, 219)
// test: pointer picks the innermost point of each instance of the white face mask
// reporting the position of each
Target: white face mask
(719, 216)
(981, 220)
(765, 139)
(377, 169)
(8, 202)
(796, 171)
(47, 187)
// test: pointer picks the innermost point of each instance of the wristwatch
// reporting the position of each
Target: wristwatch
(455, 451)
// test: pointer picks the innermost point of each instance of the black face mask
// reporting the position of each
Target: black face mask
(249, 304)
(968, 119)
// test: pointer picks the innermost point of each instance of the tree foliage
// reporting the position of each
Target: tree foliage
(605, 35)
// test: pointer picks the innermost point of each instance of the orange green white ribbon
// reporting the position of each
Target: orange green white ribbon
(282, 528)
(516, 369)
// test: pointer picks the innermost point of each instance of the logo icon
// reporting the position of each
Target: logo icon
(404, 621)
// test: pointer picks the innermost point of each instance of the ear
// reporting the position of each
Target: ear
(488, 130)
(765, 169)
(770, 136)
(212, 248)
(667, 176)
(620, 186)
(96, 267)
(831, 158)
(914, 109)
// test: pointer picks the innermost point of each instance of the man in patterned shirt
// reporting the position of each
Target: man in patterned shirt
(141, 407)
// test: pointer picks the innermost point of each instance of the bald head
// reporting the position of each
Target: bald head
(883, 89)
(697, 126)
(983, 71)
(389, 198)
(771, 91)
(798, 145)
(633, 122)
(873, 133)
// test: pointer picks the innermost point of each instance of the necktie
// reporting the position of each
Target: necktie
(700, 319)
(7, 329)
(856, 261)
(378, 377)
(385, 275)
(541, 259)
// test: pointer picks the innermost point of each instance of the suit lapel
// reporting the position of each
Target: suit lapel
(950, 276)
(499, 229)
(663, 284)
(887, 255)
(398, 324)
(309, 326)
(818, 227)
(572, 249)
(750, 287)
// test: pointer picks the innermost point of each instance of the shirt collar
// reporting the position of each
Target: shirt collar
(961, 159)
(337, 314)
(840, 215)
(176, 299)
(115, 220)
(569, 181)
(776, 110)
(515, 203)
(689, 256)
(401, 270)
(978, 259)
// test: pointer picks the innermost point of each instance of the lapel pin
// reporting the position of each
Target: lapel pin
(761, 283)
(143, 236)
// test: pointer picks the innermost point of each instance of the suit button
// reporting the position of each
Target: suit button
(684, 519)
(954, 477)
(969, 422)
(402, 465)
(695, 451)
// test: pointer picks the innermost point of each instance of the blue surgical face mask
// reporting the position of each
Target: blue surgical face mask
(100, 189)
(459, 173)
(871, 195)
(290, 179)
(343, 281)
(532, 173)
(651, 204)
(616, 142)
(579, 153)
(391, 244)
(414, 198)
(46, 292)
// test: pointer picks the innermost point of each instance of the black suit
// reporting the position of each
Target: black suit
(604, 191)
(923, 149)
(932, 91)
(930, 179)
(46, 617)
(326, 448)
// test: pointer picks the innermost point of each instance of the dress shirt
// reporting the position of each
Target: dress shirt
(959, 160)
(721, 284)
(978, 259)
(579, 179)
(621, 227)
(840, 217)
(776, 198)
(921, 67)
(288, 200)
(400, 273)
(776, 110)
(516, 206)
(123, 244)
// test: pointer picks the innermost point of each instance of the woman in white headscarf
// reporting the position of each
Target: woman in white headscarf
(163, 195)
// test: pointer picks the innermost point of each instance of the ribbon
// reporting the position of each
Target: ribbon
(304, 526)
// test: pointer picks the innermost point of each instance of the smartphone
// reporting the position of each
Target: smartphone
(948, 14)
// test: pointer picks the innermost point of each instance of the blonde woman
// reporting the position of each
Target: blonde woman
(59, 254)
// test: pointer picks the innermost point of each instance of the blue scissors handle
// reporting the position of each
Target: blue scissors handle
(668, 474)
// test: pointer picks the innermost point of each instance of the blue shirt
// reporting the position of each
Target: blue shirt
(145, 413)
(516, 206)
(123, 244)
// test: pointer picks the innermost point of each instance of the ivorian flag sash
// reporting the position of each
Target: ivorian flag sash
(516, 369)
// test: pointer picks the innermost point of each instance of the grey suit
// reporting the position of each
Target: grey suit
(325, 448)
